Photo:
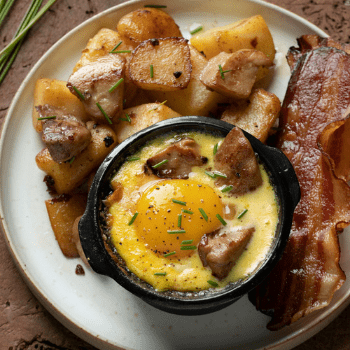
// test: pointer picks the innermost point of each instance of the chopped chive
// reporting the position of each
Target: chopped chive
(133, 218)
(176, 231)
(226, 71)
(178, 202)
(49, 117)
(151, 70)
(160, 163)
(188, 247)
(103, 112)
(221, 72)
(215, 149)
(160, 274)
(168, 254)
(116, 46)
(116, 85)
(121, 51)
(218, 174)
(210, 174)
(160, 104)
(205, 216)
(227, 188)
(241, 214)
(79, 93)
(198, 29)
(213, 283)
(189, 241)
(156, 6)
(221, 219)
(130, 159)
(179, 220)
(71, 160)
(187, 211)
(127, 118)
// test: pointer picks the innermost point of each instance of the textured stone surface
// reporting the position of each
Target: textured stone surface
(24, 323)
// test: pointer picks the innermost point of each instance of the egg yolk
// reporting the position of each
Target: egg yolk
(173, 215)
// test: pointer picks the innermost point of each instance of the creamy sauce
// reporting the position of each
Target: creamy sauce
(188, 273)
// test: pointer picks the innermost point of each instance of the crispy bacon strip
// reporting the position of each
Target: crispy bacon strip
(308, 274)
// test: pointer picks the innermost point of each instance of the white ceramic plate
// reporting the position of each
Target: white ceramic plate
(93, 306)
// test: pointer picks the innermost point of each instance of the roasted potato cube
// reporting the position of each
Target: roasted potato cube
(144, 24)
(55, 93)
(62, 213)
(249, 33)
(100, 85)
(234, 74)
(256, 115)
(161, 64)
(196, 99)
(69, 175)
(141, 117)
(102, 44)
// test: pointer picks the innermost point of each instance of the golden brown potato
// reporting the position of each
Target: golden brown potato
(196, 99)
(141, 117)
(248, 33)
(69, 175)
(161, 64)
(55, 93)
(102, 44)
(234, 74)
(256, 115)
(144, 24)
(62, 213)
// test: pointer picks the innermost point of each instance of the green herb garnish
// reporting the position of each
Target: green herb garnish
(160, 164)
(133, 219)
(121, 51)
(179, 220)
(151, 70)
(176, 231)
(71, 160)
(168, 254)
(198, 29)
(241, 214)
(115, 47)
(227, 188)
(205, 216)
(160, 274)
(127, 118)
(79, 93)
(131, 159)
(210, 174)
(221, 219)
(218, 174)
(213, 283)
(215, 149)
(189, 241)
(49, 117)
(187, 211)
(116, 85)
(222, 72)
(188, 247)
(178, 202)
(160, 104)
(103, 112)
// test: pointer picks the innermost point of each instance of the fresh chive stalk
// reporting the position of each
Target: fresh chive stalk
(133, 219)
(178, 202)
(116, 85)
(188, 241)
(205, 216)
(187, 211)
(210, 174)
(221, 219)
(242, 214)
(115, 47)
(121, 51)
(48, 117)
(79, 93)
(5, 8)
(169, 254)
(160, 163)
(215, 149)
(227, 189)
(179, 220)
(160, 274)
(104, 113)
(131, 159)
(221, 72)
(127, 118)
(160, 104)
(176, 231)
(198, 29)
(188, 247)
(213, 283)
(151, 70)
(218, 174)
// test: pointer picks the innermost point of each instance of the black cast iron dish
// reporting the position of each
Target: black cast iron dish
(282, 176)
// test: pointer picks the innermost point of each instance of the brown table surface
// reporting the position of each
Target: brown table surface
(24, 323)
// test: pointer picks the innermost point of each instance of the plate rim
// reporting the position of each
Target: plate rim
(305, 333)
